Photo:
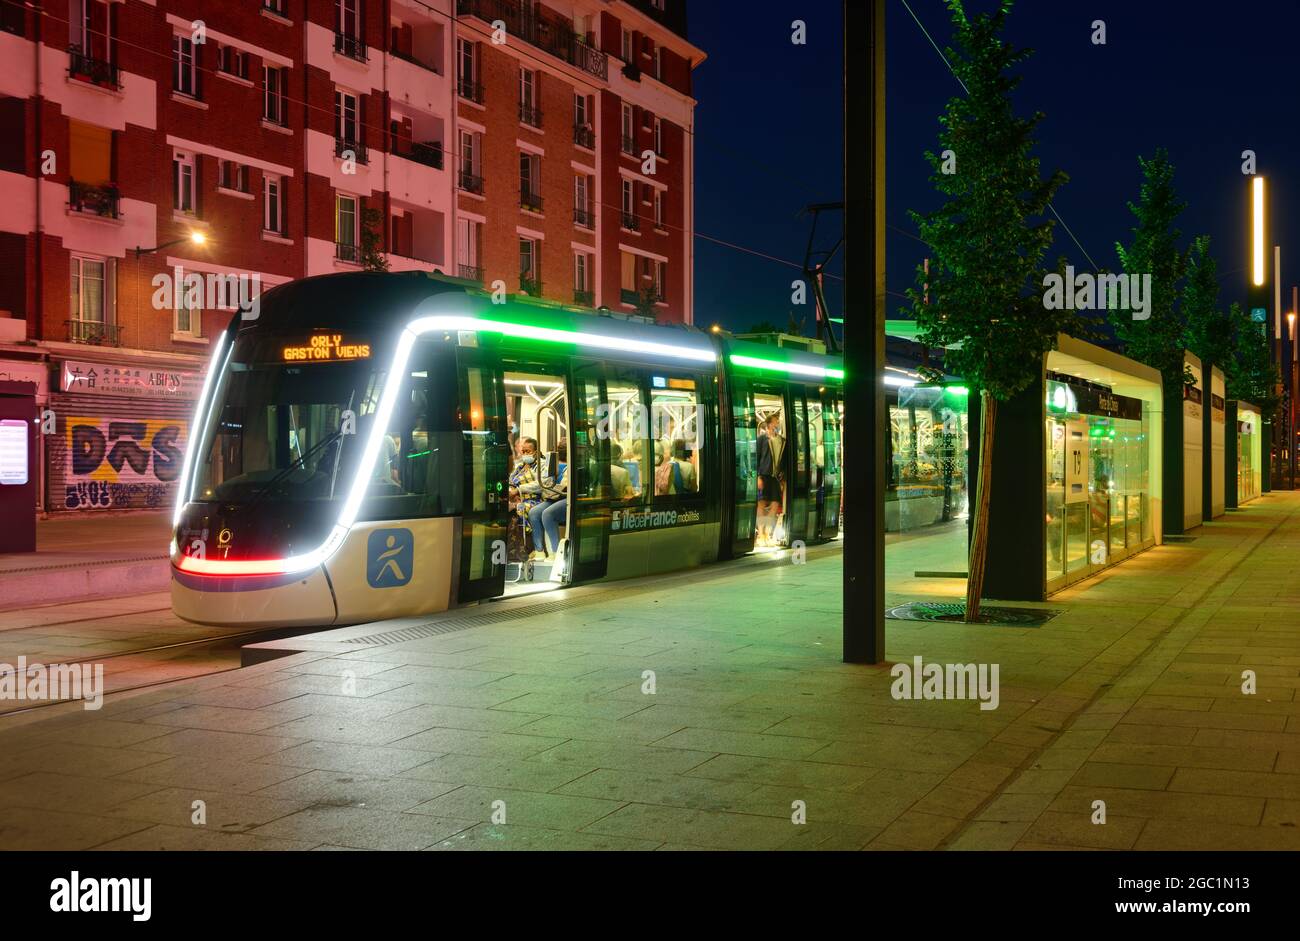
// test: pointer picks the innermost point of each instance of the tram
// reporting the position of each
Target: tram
(378, 445)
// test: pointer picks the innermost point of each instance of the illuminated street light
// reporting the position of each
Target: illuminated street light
(1257, 225)
(195, 237)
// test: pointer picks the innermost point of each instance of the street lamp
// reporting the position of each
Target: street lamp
(194, 238)
(1257, 230)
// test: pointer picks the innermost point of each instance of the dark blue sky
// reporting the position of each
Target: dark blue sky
(1205, 80)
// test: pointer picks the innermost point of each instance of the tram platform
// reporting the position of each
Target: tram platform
(81, 557)
(703, 710)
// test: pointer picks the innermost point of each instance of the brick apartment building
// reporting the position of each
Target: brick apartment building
(545, 147)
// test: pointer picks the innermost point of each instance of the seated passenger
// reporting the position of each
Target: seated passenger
(526, 485)
(546, 517)
(620, 479)
(690, 477)
(668, 473)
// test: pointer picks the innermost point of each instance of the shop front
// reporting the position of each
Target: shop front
(1076, 472)
(119, 435)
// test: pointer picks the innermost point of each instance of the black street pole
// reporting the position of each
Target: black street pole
(864, 330)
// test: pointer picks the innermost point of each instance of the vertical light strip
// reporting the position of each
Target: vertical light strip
(1257, 222)
(216, 366)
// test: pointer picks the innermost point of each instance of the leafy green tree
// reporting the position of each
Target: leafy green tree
(372, 240)
(1160, 339)
(1251, 374)
(988, 242)
(1209, 331)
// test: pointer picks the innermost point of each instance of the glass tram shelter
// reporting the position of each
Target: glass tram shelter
(1077, 475)
(1242, 459)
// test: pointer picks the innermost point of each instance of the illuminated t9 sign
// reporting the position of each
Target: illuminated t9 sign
(326, 348)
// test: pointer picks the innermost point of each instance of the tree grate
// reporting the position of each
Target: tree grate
(952, 612)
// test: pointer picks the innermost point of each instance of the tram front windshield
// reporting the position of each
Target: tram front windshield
(288, 431)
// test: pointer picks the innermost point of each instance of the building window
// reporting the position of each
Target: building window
(232, 176)
(345, 228)
(580, 114)
(659, 209)
(273, 203)
(183, 182)
(345, 116)
(658, 5)
(186, 311)
(661, 280)
(629, 131)
(275, 81)
(529, 112)
(347, 18)
(530, 181)
(530, 279)
(232, 61)
(658, 64)
(467, 237)
(470, 181)
(659, 137)
(184, 73)
(582, 209)
(629, 205)
(468, 86)
(627, 52)
(582, 293)
(627, 278)
(87, 301)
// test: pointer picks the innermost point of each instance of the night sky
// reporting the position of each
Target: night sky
(1206, 81)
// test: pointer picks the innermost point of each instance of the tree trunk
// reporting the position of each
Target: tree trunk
(984, 488)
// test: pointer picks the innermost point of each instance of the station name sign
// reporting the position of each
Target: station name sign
(326, 348)
(1090, 400)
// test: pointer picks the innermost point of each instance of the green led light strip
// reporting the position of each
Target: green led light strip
(795, 369)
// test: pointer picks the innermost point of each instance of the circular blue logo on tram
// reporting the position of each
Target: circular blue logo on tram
(390, 558)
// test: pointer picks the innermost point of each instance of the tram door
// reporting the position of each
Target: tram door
(589, 491)
(744, 437)
(824, 432)
(797, 468)
(485, 453)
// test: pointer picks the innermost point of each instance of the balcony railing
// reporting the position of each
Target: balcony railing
(273, 6)
(96, 71)
(530, 201)
(429, 154)
(631, 222)
(350, 46)
(344, 251)
(471, 183)
(470, 273)
(530, 286)
(629, 297)
(584, 298)
(97, 200)
(414, 254)
(94, 332)
(583, 216)
(548, 33)
(359, 150)
(414, 60)
(629, 145)
(530, 114)
(584, 136)
(470, 90)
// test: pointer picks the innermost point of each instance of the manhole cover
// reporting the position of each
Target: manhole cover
(954, 612)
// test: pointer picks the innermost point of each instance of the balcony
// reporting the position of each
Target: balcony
(629, 297)
(346, 252)
(530, 115)
(584, 298)
(530, 201)
(428, 153)
(94, 332)
(584, 136)
(584, 216)
(414, 60)
(530, 286)
(631, 222)
(543, 29)
(470, 90)
(470, 273)
(471, 183)
(350, 46)
(629, 145)
(359, 150)
(89, 69)
(93, 200)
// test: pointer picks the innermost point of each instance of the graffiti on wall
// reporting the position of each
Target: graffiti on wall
(121, 463)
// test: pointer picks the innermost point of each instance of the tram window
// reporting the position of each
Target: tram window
(627, 428)
(677, 425)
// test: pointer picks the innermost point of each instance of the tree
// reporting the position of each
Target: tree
(1251, 374)
(372, 240)
(1160, 339)
(1209, 331)
(988, 241)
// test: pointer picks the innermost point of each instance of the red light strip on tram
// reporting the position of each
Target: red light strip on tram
(234, 567)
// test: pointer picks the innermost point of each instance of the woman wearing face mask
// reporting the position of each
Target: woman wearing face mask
(547, 517)
(526, 486)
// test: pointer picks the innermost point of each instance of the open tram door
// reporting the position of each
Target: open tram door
(486, 455)
(587, 549)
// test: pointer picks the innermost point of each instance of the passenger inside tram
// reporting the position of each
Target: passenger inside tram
(771, 480)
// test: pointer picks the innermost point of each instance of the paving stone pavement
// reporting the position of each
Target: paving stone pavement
(541, 732)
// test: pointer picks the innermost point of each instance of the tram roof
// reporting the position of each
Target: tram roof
(370, 300)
